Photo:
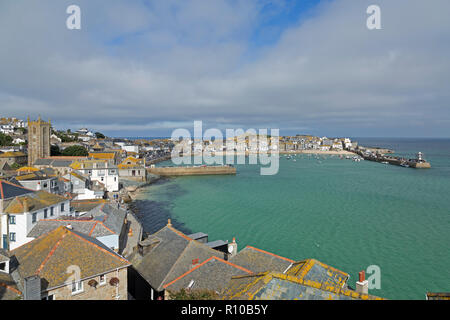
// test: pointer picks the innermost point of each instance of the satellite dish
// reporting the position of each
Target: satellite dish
(230, 249)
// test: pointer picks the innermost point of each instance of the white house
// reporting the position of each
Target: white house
(7, 129)
(101, 171)
(83, 187)
(130, 148)
(22, 208)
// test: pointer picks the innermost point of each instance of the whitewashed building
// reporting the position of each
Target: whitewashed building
(22, 208)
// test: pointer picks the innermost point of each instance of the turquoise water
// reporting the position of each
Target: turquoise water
(347, 214)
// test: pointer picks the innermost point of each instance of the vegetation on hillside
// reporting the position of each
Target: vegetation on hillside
(75, 151)
(5, 140)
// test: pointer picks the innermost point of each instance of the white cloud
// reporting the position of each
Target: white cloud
(148, 67)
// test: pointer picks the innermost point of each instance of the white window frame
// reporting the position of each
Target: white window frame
(100, 279)
(78, 287)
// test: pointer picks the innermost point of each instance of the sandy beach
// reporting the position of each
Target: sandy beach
(246, 153)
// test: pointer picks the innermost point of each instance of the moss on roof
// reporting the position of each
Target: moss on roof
(50, 256)
(34, 201)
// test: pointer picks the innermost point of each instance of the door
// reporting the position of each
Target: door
(5, 242)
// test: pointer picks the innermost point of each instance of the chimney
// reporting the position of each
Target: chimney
(362, 286)
(32, 288)
(232, 248)
(169, 222)
(26, 207)
(38, 186)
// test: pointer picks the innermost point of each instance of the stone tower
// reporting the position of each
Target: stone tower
(38, 140)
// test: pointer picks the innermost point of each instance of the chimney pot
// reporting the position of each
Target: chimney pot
(362, 276)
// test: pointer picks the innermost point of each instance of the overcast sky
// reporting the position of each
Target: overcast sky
(144, 68)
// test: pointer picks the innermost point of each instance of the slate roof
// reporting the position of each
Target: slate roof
(62, 163)
(110, 216)
(10, 190)
(4, 255)
(258, 260)
(43, 162)
(8, 287)
(317, 271)
(92, 227)
(50, 255)
(36, 200)
(87, 205)
(4, 165)
(171, 254)
(279, 286)
(57, 161)
(216, 243)
(213, 274)
(36, 175)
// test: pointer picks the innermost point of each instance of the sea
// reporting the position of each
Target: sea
(351, 215)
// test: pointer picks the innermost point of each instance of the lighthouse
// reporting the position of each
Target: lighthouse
(420, 157)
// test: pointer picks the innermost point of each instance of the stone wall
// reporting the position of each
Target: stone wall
(101, 292)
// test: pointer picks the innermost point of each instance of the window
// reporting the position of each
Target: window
(62, 207)
(50, 297)
(12, 219)
(77, 287)
(12, 236)
(3, 266)
(33, 217)
(45, 184)
(51, 212)
(45, 213)
(102, 279)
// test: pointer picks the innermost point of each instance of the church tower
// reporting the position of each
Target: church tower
(38, 140)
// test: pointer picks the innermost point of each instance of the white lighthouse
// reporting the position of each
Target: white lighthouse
(420, 157)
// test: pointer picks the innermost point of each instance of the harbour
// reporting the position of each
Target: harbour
(192, 170)
(307, 208)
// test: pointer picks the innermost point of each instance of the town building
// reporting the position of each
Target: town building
(22, 208)
(83, 187)
(133, 169)
(14, 157)
(38, 140)
(113, 157)
(304, 280)
(163, 257)
(64, 264)
(62, 164)
(104, 223)
(40, 180)
(99, 170)
(213, 274)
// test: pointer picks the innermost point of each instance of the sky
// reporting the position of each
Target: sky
(147, 67)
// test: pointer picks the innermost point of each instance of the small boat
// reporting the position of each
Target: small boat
(384, 162)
